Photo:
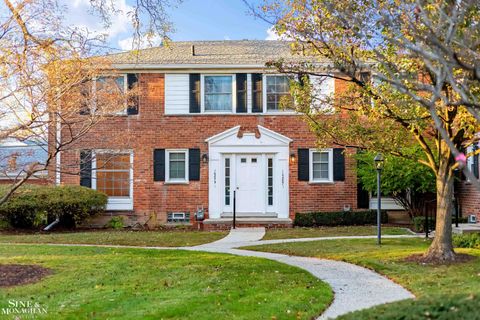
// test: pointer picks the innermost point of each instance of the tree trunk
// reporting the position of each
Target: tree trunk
(441, 248)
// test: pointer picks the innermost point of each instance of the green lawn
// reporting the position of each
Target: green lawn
(331, 232)
(443, 292)
(130, 238)
(119, 283)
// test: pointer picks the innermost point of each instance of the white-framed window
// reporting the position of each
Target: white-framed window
(218, 92)
(112, 174)
(276, 87)
(321, 165)
(470, 160)
(176, 166)
(109, 88)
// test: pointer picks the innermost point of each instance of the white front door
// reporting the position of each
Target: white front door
(250, 184)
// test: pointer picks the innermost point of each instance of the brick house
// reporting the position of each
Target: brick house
(207, 126)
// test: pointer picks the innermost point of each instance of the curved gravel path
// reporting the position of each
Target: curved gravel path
(355, 287)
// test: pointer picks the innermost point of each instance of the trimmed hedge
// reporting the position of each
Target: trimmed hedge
(419, 223)
(340, 218)
(34, 206)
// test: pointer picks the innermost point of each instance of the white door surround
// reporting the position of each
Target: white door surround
(256, 168)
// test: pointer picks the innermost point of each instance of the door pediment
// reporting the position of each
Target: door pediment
(231, 137)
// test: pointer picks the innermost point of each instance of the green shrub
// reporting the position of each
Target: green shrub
(419, 223)
(467, 240)
(340, 218)
(115, 223)
(33, 206)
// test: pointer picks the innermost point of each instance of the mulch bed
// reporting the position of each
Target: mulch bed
(420, 259)
(18, 274)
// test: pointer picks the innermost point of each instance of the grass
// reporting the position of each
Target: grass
(443, 291)
(298, 232)
(119, 283)
(111, 237)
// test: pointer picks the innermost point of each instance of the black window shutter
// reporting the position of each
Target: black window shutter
(85, 89)
(195, 93)
(338, 164)
(132, 80)
(241, 92)
(194, 164)
(159, 165)
(257, 92)
(302, 78)
(86, 168)
(303, 164)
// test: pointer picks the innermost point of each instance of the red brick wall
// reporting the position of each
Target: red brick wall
(151, 129)
(469, 199)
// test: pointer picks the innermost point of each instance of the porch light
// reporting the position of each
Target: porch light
(204, 158)
(292, 158)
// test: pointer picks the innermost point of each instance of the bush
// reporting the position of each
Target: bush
(33, 206)
(115, 223)
(419, 223)
(467, 240)
(340, 218)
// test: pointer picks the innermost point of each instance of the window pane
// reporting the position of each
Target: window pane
(320, 157)
(177, 165)
(113, 161)
(320, 171)
(114, 183)
(177, 156)
(218, 102)
(227, 181)
(218, 93)
(277, 87)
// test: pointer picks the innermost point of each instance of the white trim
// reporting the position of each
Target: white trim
(202, 94)
(269, 144)
(167, 167)
(114, 203)
(330, 166)
(249, 93)
(223, 134)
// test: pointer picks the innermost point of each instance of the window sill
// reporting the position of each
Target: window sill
(322, 182)
(115, 204)
(177, 182)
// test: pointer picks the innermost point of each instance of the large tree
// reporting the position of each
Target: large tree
(413, 73)
(46, 73)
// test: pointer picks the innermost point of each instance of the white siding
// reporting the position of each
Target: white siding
(323, 89)
(177, 98)
(387, 204)
(249, 93)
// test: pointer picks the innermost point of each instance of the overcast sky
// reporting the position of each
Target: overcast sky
(192, 20)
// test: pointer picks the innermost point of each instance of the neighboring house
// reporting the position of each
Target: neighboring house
(16, 156)
(208, 126)
(466, 193)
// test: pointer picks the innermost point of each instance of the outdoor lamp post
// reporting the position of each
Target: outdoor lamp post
(378, 160)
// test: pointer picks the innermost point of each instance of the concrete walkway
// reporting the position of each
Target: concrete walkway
(355, 287)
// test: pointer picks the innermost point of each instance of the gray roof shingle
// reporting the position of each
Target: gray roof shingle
(227, 52)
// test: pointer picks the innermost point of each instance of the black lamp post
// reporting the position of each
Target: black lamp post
(378, 160)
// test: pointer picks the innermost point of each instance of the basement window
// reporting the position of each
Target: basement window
(178, 217)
